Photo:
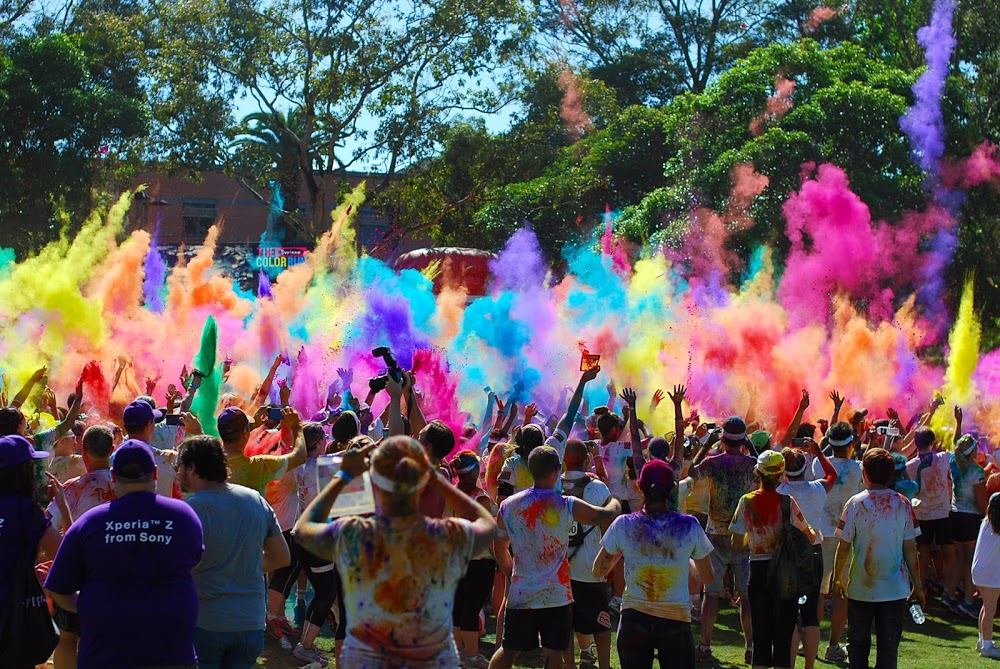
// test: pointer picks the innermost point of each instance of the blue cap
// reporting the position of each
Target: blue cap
(16, 450)
(133, 460)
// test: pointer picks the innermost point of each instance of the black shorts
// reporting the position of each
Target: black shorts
(591, 613)
(965, 526)
(471, 594)
(809, 612)
(66, 621)
(935, 532)
(523, 627)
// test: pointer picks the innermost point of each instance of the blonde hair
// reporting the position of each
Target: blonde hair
(401, 459)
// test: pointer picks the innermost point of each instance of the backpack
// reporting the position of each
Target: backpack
(795, 568)
(577, 533)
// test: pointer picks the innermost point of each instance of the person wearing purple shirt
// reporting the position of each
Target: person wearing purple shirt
(125, 566)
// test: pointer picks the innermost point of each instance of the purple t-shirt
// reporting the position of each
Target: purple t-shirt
(22, 525)
(131, 560)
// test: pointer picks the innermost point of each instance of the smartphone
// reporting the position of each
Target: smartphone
(276, 414)
(710, 426)
(589, 362)
(887, 431)
(173, 419)
(799, 442)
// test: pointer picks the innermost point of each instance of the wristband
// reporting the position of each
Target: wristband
(346, 476)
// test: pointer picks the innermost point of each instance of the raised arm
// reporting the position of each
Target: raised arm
(265, 386)
(484, 529)
(677, 448)
(395, 390)
(793, 427)
(311, 529)
(838, 403)
(629, 397)
(29, 385)
(66, 424)
(413, 410)
(829, 471)
(293, 422)
(566, 424)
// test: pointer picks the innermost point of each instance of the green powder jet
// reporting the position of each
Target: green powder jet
(207, 398)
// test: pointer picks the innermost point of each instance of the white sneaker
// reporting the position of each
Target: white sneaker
(477, 662)
(990, 651)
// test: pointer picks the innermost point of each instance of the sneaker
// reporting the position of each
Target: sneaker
(589, 655)
(273, 627)
(969, 608)
(288, 628)
(952, 605)
(991, 652)
(477, 662)
(703, 654)
(616, 604)
(836, 653)
(748, 656)
(312, 655)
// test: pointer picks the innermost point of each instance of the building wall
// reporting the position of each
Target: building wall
(185, 209)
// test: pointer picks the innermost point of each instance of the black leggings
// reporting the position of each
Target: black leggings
(472, 592)
(773, 620)
(640, 635)
(324, 583)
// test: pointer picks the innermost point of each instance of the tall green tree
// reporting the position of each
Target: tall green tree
(62, 124)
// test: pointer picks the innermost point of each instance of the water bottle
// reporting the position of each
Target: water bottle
(802, 600)
(917, 614)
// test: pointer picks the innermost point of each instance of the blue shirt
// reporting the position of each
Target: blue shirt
(131, 561)
(230, 578)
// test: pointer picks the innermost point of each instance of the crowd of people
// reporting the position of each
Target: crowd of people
(159, 545)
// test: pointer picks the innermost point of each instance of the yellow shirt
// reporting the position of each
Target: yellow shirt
(256, 472)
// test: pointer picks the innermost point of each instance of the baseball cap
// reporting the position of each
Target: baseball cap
(16, 450)
(133, 460)
(771, 463)
(900, 461)
(760, 439)
(140, 412)
(231, 422)
(734, 429)
(657, 473)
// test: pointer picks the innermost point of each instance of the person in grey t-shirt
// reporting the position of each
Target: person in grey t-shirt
(242, 541)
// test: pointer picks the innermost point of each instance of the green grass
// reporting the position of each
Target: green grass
(940, 643)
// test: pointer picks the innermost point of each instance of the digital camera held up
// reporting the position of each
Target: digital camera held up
(377, 383)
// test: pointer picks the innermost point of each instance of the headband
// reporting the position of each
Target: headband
(801, 470)
(971, 448)
(734, 436)
(841, 442)
(388, 485)
(466, 470)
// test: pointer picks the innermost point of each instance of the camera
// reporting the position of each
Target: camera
(377, 383)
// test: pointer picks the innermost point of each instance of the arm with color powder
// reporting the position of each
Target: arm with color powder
(482, 437)
(588, 514)
(612, 395)
(599, 468)
(192, 391)
(529, 412)
(751, 416)
(511, 417)
(265, 386)
(793, 427)
(605, 562)
(29, 385)
(66, 424)
(566, 424)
